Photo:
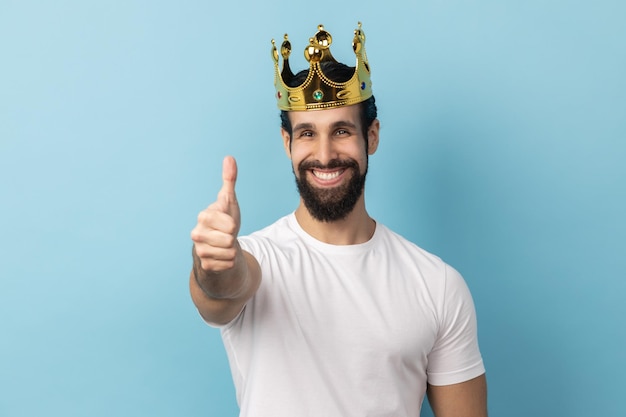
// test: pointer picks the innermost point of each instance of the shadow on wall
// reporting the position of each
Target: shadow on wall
(487, 211)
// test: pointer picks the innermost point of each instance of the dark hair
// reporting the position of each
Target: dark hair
(340, 73)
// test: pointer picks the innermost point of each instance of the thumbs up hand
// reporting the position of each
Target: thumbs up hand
(226, 198)
(215, 234)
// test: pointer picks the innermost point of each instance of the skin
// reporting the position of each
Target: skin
(467, 399)
(322, 136)
(225, 277)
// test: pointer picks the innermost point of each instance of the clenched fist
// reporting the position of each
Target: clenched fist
(215, 234)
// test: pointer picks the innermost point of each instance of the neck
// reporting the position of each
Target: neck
(357, 227)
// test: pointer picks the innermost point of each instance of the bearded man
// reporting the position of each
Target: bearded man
(327, 312)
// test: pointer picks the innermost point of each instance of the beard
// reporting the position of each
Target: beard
(331, 204)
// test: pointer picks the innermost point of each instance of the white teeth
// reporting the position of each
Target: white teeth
(326, 175)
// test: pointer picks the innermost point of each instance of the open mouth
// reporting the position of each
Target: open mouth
(327, 175)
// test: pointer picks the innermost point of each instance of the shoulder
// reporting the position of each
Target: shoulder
(408, 251)
(442, 279)
(278, 234)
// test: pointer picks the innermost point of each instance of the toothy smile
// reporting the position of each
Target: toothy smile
(327, 176)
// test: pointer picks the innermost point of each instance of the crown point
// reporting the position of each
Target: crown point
(356, 44)
(312, 54)
(322, 38)
(285, 49)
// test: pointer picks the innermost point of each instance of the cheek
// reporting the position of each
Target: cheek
(300, 153)
(296, 159)
(359, 154)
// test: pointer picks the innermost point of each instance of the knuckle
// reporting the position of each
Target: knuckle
(201, 251)
(229, 241)
(214, 265)
(206, 264)
(231, 254)
(227, 264)
(203, 217)
(230, 227)
(195, 235)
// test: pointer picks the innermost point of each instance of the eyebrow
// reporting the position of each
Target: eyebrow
(335, 125)
(303, 126)
(343, 123)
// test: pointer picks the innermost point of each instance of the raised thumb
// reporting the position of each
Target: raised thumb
(229, 178)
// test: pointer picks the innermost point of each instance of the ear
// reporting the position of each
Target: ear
(373, 136)
(286, 141)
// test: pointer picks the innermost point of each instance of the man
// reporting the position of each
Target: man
(326, 312)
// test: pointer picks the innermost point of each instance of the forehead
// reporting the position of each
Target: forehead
(326, 117)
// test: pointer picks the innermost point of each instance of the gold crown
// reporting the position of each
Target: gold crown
(318, 91)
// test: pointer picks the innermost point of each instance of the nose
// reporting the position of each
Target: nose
(326, 150)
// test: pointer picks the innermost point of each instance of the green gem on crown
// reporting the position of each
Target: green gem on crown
(318, 95)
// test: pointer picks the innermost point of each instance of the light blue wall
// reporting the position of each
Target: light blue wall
(503, 140)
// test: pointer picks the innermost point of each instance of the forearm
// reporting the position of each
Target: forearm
(225, 284)
(220, 296)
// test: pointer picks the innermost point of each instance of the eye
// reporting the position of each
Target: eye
(342, 132)
(306, 134)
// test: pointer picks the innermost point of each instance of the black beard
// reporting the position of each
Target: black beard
(328, 205)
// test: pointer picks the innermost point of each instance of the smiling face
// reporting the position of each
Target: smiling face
(329, 159)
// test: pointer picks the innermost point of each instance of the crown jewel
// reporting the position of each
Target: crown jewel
(318, 91)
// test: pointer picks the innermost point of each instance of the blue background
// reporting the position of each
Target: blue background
(502, 147)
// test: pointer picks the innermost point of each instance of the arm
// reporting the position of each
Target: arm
(223, 277)
(457, 349)
(466, 399)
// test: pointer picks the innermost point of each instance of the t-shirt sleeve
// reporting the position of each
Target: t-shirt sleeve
(455, 357)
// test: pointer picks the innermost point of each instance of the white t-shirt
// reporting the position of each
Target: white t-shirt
(355, 330)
